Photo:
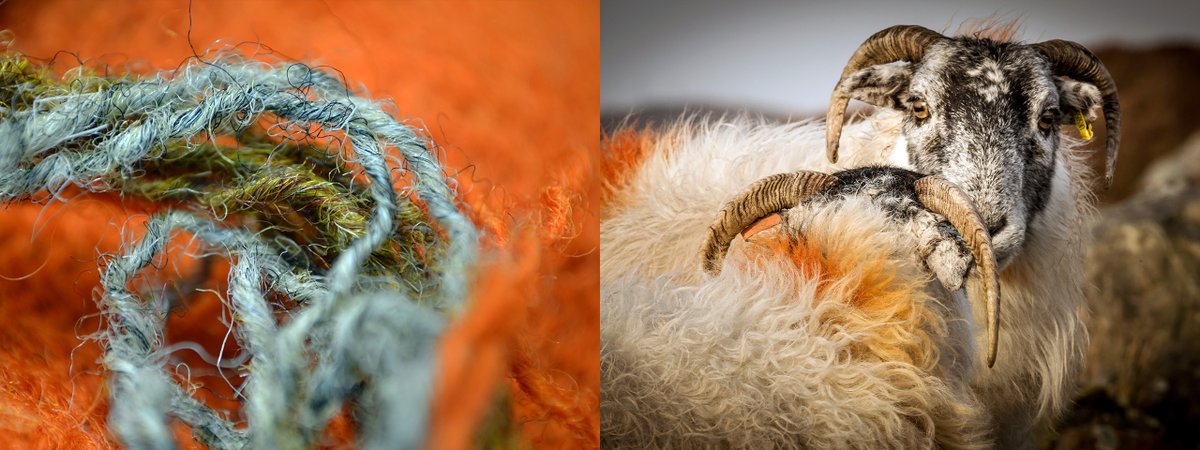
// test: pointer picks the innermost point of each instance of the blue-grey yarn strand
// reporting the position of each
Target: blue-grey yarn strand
(344, 334)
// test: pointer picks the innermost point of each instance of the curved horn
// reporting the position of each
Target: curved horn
(943, 197)
(1075, 61)
(898, 43)
(762, 198)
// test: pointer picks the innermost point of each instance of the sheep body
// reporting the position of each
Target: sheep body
(667, 329)
(772, 354)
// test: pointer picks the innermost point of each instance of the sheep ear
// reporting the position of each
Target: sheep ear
(1078, 97)
(880, 85)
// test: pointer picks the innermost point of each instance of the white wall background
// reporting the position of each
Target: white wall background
(784, 57)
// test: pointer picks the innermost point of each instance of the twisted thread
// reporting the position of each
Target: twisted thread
(371, 270)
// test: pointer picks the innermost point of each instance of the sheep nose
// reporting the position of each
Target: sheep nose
(996, 227)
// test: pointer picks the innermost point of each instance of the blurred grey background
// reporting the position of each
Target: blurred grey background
(783, 58)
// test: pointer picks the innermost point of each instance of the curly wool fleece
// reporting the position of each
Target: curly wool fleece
(367, 271)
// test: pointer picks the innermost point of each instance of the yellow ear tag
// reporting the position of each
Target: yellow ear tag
(1085, 128)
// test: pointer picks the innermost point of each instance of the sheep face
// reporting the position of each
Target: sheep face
(984, 115)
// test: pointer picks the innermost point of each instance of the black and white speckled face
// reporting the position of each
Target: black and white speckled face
(984, 115)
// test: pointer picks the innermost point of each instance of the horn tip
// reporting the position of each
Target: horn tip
(831, 149)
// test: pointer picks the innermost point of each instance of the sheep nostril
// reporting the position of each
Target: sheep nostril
(999, 225)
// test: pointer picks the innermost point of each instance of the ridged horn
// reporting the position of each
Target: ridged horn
(764, 197)
(898, 43)
(1073, 60)
(943, 197)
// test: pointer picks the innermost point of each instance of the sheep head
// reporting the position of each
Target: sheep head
(909, 196)
(982, 114)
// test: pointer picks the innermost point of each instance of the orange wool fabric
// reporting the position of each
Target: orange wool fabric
(507, 89)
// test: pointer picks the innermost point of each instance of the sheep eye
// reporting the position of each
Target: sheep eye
(1047, 121)
(920, 110)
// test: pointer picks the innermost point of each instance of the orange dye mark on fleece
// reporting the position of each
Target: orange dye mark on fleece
(623, 152)
(865, 279)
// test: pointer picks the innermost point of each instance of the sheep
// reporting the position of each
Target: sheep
(979, 113)
(901, 359)
(985, 115)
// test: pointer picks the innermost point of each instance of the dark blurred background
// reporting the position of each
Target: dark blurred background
(1141, 385)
